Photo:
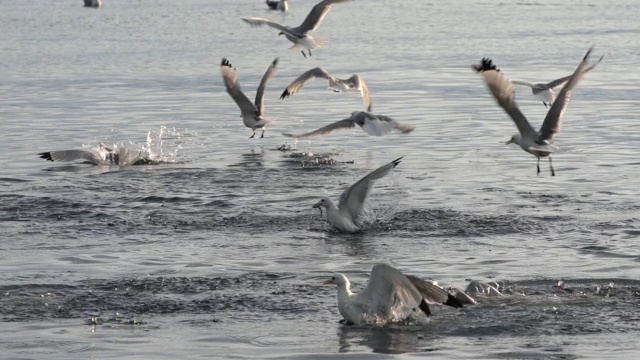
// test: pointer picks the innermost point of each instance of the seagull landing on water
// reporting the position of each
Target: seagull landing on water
(545, 92)
(351, 206)
(299, 35)
(252, 114)
(390, 296)
(103, 155)
(282, 5)
(375, 125)
(537, 143)
(354, 83)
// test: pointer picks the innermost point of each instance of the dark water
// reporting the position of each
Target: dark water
(216, 252)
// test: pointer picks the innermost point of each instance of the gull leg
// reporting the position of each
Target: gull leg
(309, 52)
(254, 134)
(538, 165)
(261, 136)
(553, 173)
(545, 104)
(303, 54)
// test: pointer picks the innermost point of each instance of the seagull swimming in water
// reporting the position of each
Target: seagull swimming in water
(252, 114)
(282, 5)
(103, 155)
(375, 125)
(537, 143)
(354, 83)
(345, 216)
(299, 35)
(389, 296)
(545, 92)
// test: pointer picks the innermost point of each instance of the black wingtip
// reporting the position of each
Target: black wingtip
(225, 62)
(586, 56)
(46, 156)
(397, 161)
(285, 94)
(425, 307)
(453, 302)
(275, 61)
(485, 65)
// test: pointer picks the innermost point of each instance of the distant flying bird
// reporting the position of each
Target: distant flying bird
(93, 3)
(376, 125)
(390, 296)
(354, 83)
(346, 215)
(282, 5)
(537, 143)
(545, 92)
(299, 35)
(252, 114)
(102, 155)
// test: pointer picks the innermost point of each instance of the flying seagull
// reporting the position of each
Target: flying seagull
(299, 35)
(389, 296)
(376, 125)
(354, 83)
(537, 143)
(252, 114)
(282, 5)
(103, 155)
(351, 206)
(545, 92)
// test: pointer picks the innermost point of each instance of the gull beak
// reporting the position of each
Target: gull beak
(281, 33)
(328, 282)
(509, 142)
(318, 206)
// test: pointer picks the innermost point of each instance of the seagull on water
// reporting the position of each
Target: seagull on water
(299, 35)
(351, 206)
(103, 155)
(252, 114)
(537, 143)
(545, 92)
(282, 5)
(390, 296)
(93, 3)
(376, 125)
(354, 83)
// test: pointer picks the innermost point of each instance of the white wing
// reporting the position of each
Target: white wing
(230, 77)
(378, 125)
(256, 21)
(71, 155)
(298, 83)
(352, 200)
(325, 130)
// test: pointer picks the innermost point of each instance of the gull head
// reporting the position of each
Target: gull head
(324, 202)
(281, 33)
(337, 279)
(515, 139)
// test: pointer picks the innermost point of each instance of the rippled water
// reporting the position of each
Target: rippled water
(217, 252)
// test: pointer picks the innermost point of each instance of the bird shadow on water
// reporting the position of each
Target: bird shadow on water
(384, 340)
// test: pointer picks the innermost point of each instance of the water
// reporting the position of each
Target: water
(217, 252)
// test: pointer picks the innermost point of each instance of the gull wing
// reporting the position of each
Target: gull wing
(388, 290)
(553, 121)
(315, 17)
(71, 155)
(353, 198)
(358, 83)
(260, 93)
(434, 294)
(298, 83)
(338, 125)
(230, 77)
(379, 125)
(523, 83)
(564, 79)
(502, 90)
(256, 21)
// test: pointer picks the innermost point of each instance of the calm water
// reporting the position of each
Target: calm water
(217, 252)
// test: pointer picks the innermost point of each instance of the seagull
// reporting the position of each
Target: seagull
(376, 125)
(282, 5)
(354, 83)
(537, 143)
(545, 92)
(351, 205)
(299, 35)
(389, 296)
(93, 3)
(252, 114)
(103, 155)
